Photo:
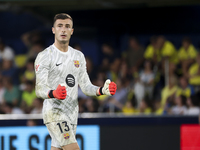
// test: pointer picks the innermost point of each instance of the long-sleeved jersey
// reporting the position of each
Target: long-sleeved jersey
(54, 67)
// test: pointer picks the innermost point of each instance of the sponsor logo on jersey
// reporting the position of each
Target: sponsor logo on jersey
(37, 67)
(70, 80)
(66, 136)
(76, 63)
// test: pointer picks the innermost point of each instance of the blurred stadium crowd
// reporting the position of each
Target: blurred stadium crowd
(158, 79)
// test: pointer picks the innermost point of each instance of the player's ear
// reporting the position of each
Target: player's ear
(53, 30)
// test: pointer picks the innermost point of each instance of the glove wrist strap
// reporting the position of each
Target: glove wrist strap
(100, 91)
(50, 95)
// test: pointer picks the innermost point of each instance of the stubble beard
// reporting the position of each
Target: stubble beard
(63, 42)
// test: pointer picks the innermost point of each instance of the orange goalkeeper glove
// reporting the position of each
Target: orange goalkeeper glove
(109, 88)
(60, 93)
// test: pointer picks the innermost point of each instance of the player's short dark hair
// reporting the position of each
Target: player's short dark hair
(62, 16)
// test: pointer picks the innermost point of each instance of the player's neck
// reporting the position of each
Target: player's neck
(62, 46)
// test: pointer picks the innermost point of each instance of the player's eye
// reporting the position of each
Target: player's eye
(68, 26)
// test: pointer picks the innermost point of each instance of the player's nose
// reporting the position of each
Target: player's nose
(63, 29)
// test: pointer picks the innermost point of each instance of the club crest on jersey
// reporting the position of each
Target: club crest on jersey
(76, 63)
(66, 136)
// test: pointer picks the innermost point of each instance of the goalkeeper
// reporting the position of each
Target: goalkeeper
(59, 70)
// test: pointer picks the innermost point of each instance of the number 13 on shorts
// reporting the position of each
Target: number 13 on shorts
(66, 128)
(62, 133)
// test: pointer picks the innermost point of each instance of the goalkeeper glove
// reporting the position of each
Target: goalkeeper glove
(109, 88)
(60, 93)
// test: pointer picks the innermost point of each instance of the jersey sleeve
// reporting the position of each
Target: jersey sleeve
(42, 66)
(84, 81)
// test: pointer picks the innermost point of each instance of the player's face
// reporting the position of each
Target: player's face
(63, 29)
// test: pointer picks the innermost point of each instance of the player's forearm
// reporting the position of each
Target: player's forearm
(86, 86)
(42, 91)
(90, 90)
(42, 67)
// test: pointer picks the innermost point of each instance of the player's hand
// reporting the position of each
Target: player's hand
(109, 88)
(60, 93)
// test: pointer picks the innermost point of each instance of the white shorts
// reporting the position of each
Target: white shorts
(62, 133)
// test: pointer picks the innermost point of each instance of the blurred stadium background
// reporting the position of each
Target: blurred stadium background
(149, 48)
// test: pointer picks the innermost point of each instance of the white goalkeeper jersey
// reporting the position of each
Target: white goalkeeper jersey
(54, 67)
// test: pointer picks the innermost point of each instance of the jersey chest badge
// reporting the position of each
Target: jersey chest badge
(76, 63)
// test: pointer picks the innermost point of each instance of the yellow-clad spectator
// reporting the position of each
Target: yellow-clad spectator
(187, 50)
(145, 107)
(167, 49)
(101, 98)
(194, 72)
(184, 88)
(187, 54)
(28, 96)
(158, 108)
(128, 108)
(130, 105)
(134, 55)
(29, 73)
(185, 92)
(169, 90)
(152, 52)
